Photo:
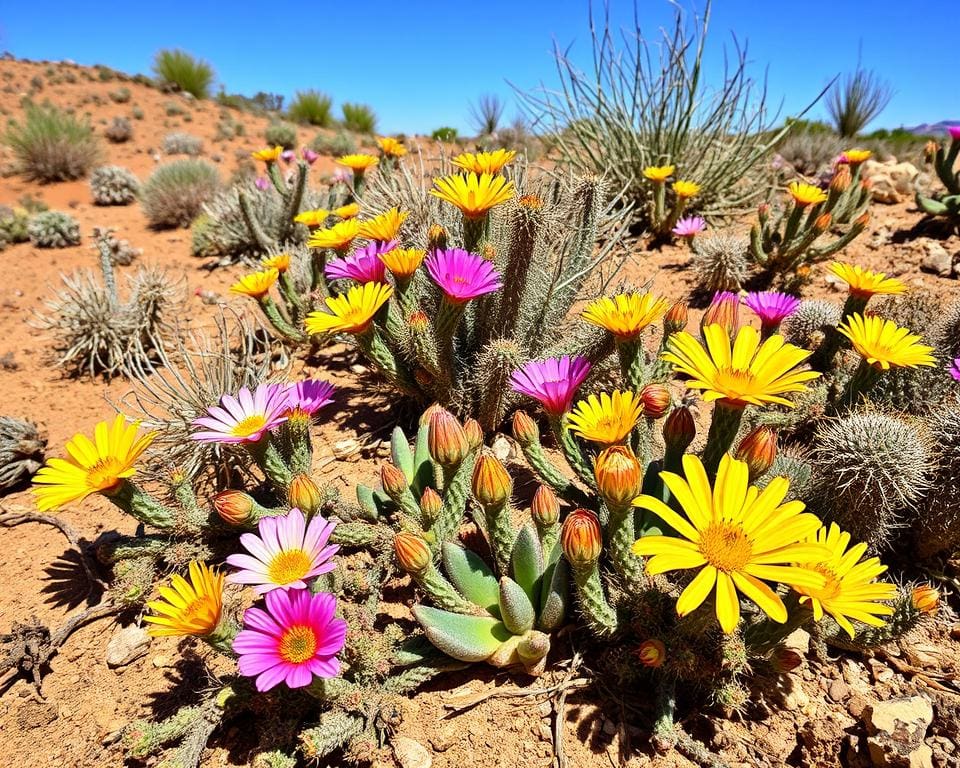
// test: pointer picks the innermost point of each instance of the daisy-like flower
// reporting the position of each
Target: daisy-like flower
(955, 369)
(606, 419)
(772, 307)
(626, 315)
(280, 262)
(863, 283)
(855, 156)
(350, 312)
(884, 344)
(188, 608)
(288, 156)
(658, 173)
(296, 638)
(689, 226)
(804, 194)
(348, 211)
(738, 536)
(850, 591)
(244, 417)
(338, 237)
(287, 553)
(391, 147)
(256, 284)
(267, 155)
(484, 162)
(462, 276)
(686, 189)
(553, 381)
(384, 227)
(746, 372)
(312, 219)
(93, 466)
(474, 194)
(363, 265)
(403, 262)
(309, 396)
(358, 163)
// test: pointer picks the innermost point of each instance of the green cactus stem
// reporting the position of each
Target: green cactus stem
(723, 431)
(545, 469)
(293, 197)
(334, 729)
(377, 351)
(442, 593)
(445, 327)
(278, 321)
(355, 534)
(456, 492)
(905, 617)
(621, 532)
(572, 450)
(222, 637)
(142, 506)
(500, 533)
(593, 603)
(761, 637)
(860, 383)
(269, 458)
(633, 364)
(474, 231)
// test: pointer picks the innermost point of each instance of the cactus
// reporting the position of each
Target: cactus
(944, 159)
(21, 452)
(938, 522)
(53, 229)
(809, 323)
(113, 185)
(720, 261)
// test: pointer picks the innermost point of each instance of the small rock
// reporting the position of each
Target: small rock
(890, 182)
(410, 753)
(126, 645)
(358, 369)
(162, 662)
(545, 732)
(896, 730)
(546, 708)
(937, 260)
(444, 739)
(503, 449)
(838, 691)
(857, 704)
(609, 727)
(343, 449)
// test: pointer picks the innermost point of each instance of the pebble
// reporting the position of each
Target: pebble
(838, 691)
(410, 753)
(127, 645)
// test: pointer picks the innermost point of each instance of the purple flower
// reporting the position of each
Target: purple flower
(261, 183)
(554, 381)
(462, 276)
(244, 418)
(309, 395)
(772, 307)
(309, 155)
(954, 131)
(288, 156)
(363, 265)
(689, 226)
(342, 175)
(955, 368)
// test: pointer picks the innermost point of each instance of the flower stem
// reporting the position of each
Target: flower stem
(622, 534)
(268, 457)
(473, 233)
(723, 431)
(141, 505)
(576, 458)
(593, 603)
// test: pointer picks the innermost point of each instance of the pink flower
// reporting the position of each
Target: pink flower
(246, 417)
(954, 131)
(309, 396)
(772, 307)
(309, 155)
(288, 155)
(554, 381)
(295, 638)
(462, 276)
(363, 265)
(955, 369)
(286, 554)
(689, 226)
(342, 175)
(261, 183)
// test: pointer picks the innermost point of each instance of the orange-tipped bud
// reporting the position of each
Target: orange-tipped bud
(488, 252)
(418, 322)
(525, 429)
(676, 318)
(619, 476)
(679, 429)
(785, 659)
(651, 653)
(822, 222)
(436, 238)
(393, 480)
(530, 201)
(926, 599)
(862, 220)
(430, 506)
(234, 507)
(545, 507)
(425, 416)
(305, 494)
(759, 450)
(581, 538)
(656, 400)
(491, 484)
(412, 552)
(446, 438)
(474, 433)
(723, 310)
(842, 179)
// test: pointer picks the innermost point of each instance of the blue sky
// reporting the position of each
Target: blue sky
(420, 64)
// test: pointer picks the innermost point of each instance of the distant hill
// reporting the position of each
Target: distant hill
(932, 129)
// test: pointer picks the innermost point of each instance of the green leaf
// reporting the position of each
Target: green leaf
(472, 577)
(424, 472)
(465, 638)
(555, 596)
(526, 562)
(367, 502)
(515, 606)
(401, 454)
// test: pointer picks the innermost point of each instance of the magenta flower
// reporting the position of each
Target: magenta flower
(689, 226)
(261, 183)
(288, 155)
(954, 131)
(244, 418)
(309, 155)
(309, 396)
(772, 307)
(462, 276)
(285, 554)
(554, 381)
(363, 265)
(294, 639)
(955, 368)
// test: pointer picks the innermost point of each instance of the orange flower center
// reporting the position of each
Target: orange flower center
(201, 614)
(103, 476)
(289, 566)
(726, 547)
(298, 644)
(734, 383)
(249, 426)
(828, 591)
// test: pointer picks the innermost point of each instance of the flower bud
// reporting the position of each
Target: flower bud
(474, 433)
(304, 494)
(425, 416)
(393, 480)
(619, 476)
(446, 439)
(759, 450)
(234, 507)
(784, 659)
(525, 429)
(925, 599)
(545, 507)
(651, 653)
(822, 222)
(723, 310)
(841, 179)
(436, 238)
(581, 538)
(430, 506)
(491, 484)
(679, 429)
(656, 400)
(418, 322)
(676, 318)
(763, 210)
(862, 220)
(412, 552)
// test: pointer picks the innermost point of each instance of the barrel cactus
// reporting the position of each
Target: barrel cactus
(53, 229)
(113, 185)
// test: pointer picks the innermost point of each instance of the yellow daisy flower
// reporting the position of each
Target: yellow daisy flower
(94, 466)
(627, 314)
(864, 283)
(746, 372)
(884, 344)
(312, 219)
(403, 262)
(384, 227)
(850, 591)
(188, 607)
(686, 189)
(738, 536)
(358, 163)
(280, 262)
(474, 194)
(338, 237)
(391, 147)
(804, 194)
(256, 284)
(348, 211)
(857, 156)
(350, 312)
(606, 419)
(658, 173)
(484, 162)
(267, 155)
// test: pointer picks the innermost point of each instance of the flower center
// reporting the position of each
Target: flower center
(830, 590)
(288, 566)
(200, 614)
(734, 382)
(298, 644)
(249, 426)
(726, 547)
(102, 476)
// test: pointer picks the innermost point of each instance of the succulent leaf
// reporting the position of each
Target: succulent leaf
(526, 562)
(472, 577)
(465, 638)
(516, 607)
(555, 595)
(401, 454)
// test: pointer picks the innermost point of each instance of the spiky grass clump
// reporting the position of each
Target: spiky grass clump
(184, 72)
(119, 131)
(938, 528)
(51, 145)
(113, 185)
(870, 471)
(21, 451)
(359, 118)
(175, 192)
(281, 134)
(312, 107)
(811, 320)
(179, 143)
(339, 144)
(53, 229)
(720, 261)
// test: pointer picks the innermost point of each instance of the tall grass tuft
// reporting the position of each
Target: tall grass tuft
(175, 192)
(51, 145)
(187, 73)
(359, 118)
(856, 100)
(312, 107)
(486, 114)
